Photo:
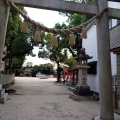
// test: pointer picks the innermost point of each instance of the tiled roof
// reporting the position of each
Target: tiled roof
(115, 37)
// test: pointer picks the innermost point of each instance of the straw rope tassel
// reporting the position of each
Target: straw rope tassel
(55, 41)
(72, 39)
(84, 33)
(37, 36)
(24, 27)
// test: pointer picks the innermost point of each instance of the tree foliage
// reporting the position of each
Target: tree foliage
(57, 55)
(43, 68)
(70, 62)
(16, 42)
(73, 20)
(19, 44)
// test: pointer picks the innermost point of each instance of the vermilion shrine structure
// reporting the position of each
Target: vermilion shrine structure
(103, 38)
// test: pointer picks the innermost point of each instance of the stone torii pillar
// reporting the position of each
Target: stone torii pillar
(4, 13)
(104, 64)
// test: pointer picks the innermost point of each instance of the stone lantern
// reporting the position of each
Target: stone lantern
(82, 88)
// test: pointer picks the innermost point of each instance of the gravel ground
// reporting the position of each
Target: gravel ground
(41, 99)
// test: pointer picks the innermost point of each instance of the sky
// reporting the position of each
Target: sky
(47, 18)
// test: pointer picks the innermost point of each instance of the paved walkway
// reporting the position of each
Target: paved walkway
(40, 99)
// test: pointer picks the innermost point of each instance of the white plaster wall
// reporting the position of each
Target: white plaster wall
(113, 64)
(90, 44)
(114, 5)
(93, 82)
(114, 23)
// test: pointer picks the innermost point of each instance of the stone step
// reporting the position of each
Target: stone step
(2, 92)
(71, 89)
(3, 98)
(80, 97)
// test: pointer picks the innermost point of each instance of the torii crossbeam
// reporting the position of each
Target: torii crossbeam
(103, 39)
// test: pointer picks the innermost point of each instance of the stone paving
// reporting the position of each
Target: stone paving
(40, 99)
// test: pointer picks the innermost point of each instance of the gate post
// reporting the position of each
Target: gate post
(104, 63)
(4, 13)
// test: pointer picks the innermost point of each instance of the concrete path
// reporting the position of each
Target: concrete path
(40, 99)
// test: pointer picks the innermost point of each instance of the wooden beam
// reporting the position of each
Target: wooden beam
(114, 13)
(116, 52)
(59, 5)
(115, 49)
(114, 0)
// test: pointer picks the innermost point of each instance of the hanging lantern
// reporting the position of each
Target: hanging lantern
(55, 41)
(24, 27)
(72, 39)
(84, 33)
(37, 36)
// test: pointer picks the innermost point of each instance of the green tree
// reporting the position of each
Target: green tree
(43, 68)
(18, 44)
(57, 55)
(46, 68)
(73, 20)
(35, 70)
(70, 62)
(29, 64)
(15, 42)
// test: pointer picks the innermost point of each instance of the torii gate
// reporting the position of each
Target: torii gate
(103, 39)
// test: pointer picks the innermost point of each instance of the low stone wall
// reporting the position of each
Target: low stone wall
(7, 80)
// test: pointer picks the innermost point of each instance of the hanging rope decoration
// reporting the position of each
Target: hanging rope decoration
(72, 39)
(24, 27)
(84, 33)
(50, 30)
(55, 41)
(37, 36)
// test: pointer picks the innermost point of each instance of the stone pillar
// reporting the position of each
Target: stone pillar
(118, 80)
(104, 63)
(82, 88)
(82, 74)
(4, 13)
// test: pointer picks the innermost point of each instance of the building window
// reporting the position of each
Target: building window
(118, 21)
(110, 23)
(93, 68)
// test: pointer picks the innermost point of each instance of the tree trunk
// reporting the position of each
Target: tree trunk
(58, 72)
